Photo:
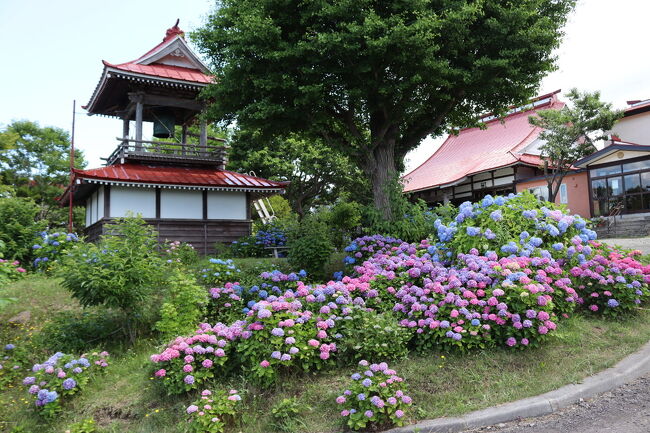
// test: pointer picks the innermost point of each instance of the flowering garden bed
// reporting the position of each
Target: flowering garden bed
(506, 300)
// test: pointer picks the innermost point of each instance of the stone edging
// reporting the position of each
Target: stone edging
(628, 369)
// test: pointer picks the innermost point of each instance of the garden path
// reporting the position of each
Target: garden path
(642, 244)
(623, 410)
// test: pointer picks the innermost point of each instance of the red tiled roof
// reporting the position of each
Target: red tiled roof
(163, 71)
(183, 176)
(475, 150)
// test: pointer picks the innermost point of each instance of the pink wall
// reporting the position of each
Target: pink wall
(577, 191)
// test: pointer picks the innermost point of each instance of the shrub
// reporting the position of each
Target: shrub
(49, 247)
(611, 283)
(247, 246)
(189, 362)
(213, 411)
(180, 254)
(285, 415)
(19, 227)
(310, 247)
(76, 332)
(60, 377)
(122, 272)
(184, 306)
(216, 272)
(10, 270)
(516, 224)
(372, 335)
(376, 397)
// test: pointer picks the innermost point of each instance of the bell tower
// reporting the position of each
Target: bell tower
(162, 87)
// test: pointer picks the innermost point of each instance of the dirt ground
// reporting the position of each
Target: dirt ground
(623, 410)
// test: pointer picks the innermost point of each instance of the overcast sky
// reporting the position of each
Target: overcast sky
(53, 52)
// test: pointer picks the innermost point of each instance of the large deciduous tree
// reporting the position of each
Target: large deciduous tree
(570, 133)
(316, 174)
(373, 78)
(35, 160)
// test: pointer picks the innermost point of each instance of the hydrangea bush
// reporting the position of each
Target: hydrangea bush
(60, 377)
(10, 270)
(189, 362)
(375, 397)
(217, 272)
(213, 411)
(49, 247)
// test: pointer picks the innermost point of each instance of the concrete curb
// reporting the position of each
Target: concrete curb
(628, 369)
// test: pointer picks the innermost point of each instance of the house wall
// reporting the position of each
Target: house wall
(136, 200)
(635, 129)
(225, 205)
(181, 203)
(577, 192)
(95, 207)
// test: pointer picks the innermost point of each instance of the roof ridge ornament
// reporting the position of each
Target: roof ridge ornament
(173, 31)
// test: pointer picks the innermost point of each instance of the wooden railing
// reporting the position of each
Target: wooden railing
(613, 213)
(166, 151)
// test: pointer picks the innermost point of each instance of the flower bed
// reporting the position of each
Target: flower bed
(443, 293)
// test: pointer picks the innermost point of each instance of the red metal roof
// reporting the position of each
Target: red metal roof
(183, 176)
(475, 150)
(163, 71)
(155, 69)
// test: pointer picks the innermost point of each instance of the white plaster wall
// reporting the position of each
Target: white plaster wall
(635, 129)
(223, 205)
(100, 204)
(137, 200)
(181, 203)
(88, 210)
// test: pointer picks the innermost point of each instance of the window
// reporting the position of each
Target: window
(564, 195)
(541, 192)
(621, 186)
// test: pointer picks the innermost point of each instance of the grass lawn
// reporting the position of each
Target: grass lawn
(126, 399)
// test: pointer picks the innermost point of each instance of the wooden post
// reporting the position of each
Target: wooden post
(183, 138)
(138, 98)
(203, 139)
(139, 108)
(125, 130)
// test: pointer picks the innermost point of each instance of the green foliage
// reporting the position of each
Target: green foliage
(373, 335)
(373, 79)
(213, 411)
(19, 227)
(570, 133)
(285, 415)
(122, 272)
(77, 332)
(10, 271)
(343, 219)
(310, 246)
(316, 174)
(37, 164)
(184, 306)
(84, 426)
(180, 254)
(409, 221)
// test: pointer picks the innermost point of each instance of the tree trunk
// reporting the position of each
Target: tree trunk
(380, 168)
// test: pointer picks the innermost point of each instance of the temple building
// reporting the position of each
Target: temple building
(504, 157)
(176, 183)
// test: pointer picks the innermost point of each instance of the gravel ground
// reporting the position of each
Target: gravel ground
(642, 244)
(623, 410)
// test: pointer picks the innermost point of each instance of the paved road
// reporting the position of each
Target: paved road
(623, 410)
(642, 244)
